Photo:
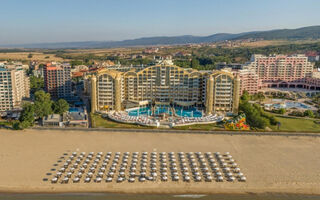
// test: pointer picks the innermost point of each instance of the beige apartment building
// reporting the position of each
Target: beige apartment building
(14, 86)
(163, 84)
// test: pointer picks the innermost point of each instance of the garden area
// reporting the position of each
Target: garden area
(278, 120)
(297, 124)
(6, 124)
(204, 127)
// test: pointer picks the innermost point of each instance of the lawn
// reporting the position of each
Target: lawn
(297, 124)
(99, 122)
(206, 127)
(287, 124)
(6, 124)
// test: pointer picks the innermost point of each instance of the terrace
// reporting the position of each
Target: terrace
(163, 116)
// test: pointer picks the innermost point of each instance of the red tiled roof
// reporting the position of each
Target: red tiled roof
(77, 74)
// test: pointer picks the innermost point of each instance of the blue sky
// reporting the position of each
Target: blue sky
(37, 21)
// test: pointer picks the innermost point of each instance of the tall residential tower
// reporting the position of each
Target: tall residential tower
(57, 80)
(281, 70)
(14, 86)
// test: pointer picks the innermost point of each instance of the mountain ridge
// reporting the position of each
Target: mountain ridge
(310, 32)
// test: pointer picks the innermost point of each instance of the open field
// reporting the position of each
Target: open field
(264, 43)
(46, 55)
(39, 56)
(270, 163)
(102, 52)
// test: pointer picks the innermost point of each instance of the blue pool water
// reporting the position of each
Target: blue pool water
(183, 112)
(291, 105)
(75, 109)
(191, 112)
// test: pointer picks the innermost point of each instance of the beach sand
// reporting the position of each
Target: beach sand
(270, 163)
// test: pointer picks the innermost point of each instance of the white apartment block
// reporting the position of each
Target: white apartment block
(14, 86)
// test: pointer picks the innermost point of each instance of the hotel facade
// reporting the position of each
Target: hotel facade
(57, 80)
(278, 71)
(14, 86)
(163, 84)
(281, 70)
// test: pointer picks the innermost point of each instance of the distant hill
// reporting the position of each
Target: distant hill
(311, 32)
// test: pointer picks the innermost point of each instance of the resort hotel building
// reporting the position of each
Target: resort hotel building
(164, 86)
(14, 86)
(281, 70)
(57, 80)
(277, 71)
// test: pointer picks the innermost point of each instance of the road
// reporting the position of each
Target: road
(85, 100)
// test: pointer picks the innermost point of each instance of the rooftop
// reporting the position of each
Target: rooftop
(52, 118)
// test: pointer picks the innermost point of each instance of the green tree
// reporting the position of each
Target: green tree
(24, 124)
(26, 118)
(296, 113)
(317, 64)
(316, 99)
(16, 126)
(255, 115)
(245, 96)
(30, 55)
(195, 63)
(36, 83)
(76, 62)
(282, 111)
(309, 113)
(254, 118)
(27, 113)
(60, 106)
(273, 120)
(260, 96)
(182, 63)
(42, 104)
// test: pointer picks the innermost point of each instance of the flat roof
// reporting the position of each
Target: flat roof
(52, 118)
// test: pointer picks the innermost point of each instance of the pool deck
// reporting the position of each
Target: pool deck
(273, 102)
(194, 112)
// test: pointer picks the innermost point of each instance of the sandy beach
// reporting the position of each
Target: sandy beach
(270, 163)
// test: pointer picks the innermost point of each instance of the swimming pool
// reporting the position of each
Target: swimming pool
(73, 109)
(180, 111)
(291, 105)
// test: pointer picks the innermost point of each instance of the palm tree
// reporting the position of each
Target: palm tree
(153, 104)
(171, 106)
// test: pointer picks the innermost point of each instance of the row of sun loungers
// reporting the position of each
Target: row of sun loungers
(147, 120)
(205, 119)
(124, 117)
(144, 166)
